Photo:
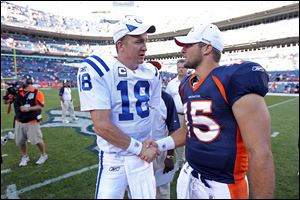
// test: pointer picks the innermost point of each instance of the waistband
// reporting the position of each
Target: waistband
(180, 114)
(198, 176)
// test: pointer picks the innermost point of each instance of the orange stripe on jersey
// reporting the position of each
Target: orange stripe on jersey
(181, 90)
(221, 88)
(239, 190)
(39, 100)
(194, 88)
(241, 161)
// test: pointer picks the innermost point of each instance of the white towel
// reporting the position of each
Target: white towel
(183, 182)
(140, 178)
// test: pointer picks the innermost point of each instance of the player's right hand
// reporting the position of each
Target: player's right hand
(149, 151)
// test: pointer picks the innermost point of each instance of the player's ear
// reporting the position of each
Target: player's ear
(207, 49)
(119, 45)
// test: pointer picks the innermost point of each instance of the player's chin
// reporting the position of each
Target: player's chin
(141, 59)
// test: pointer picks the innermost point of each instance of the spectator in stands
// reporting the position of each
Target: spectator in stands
(172, 89)
(65, 96)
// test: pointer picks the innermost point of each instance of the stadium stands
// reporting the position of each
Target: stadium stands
(51, 57)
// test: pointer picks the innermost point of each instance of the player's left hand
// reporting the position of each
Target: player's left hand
(169, 165)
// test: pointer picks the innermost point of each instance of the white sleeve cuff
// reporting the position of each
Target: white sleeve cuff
(166, 144)
(135, 147)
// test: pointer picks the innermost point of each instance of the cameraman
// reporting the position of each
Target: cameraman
(28, 116)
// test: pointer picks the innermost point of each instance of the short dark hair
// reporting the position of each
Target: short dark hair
(180, 61)
(216, 55)
(216, 52)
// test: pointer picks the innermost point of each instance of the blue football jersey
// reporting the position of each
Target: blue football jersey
(214, 146)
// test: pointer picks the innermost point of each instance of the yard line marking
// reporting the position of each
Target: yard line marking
(6, 129)
(283, 102)
(274, 134)
(4, 155)
(11, 192)
(5, 171)
(49, 181)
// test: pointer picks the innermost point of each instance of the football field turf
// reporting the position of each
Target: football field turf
(71, 170)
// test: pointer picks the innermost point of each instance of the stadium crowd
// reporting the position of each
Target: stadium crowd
(282, 62)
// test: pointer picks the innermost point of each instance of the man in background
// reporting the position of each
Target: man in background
(164, 122)
(173, 90)
(28, 118)
(66, 102)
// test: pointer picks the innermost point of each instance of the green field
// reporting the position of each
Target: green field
(71, 170)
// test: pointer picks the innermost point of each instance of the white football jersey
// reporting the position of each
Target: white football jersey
(105, 83)
(159, 116)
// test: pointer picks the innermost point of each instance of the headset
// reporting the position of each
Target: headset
(28, 80)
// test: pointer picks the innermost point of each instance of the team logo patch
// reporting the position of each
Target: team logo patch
(114, 169)
(136, 144)
(258, 68)
(30, 96)
(138, 20)
(122, 72)
(83, 69)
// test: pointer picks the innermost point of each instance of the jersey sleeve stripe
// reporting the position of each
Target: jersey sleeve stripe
(96, 68)
(220, 87)
(101, 62)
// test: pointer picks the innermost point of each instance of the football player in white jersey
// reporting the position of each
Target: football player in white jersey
(118, 93)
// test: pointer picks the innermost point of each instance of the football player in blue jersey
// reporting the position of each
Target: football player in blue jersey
(227, 123)
(118, 93)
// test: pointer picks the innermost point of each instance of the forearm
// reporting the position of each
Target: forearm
(107, 130)
(261, 176)
(179, 136)
(35, 108)
(113, 135)
(31, 108)
(176, 139)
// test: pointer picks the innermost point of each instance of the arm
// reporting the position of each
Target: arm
(177, 139)
(179, 136)
(32, 108)
(107, 130)
(112, 134)
(61, 92)
(253, 119)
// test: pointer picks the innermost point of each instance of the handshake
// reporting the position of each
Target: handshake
(149, 151)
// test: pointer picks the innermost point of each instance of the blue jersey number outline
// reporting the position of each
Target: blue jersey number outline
(85, 82)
